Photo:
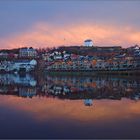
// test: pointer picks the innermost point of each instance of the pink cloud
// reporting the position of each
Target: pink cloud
(46, 35)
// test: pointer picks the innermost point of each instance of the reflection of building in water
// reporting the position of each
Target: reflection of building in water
(27, 91)
(135, 96)
(72, 88)
(8, 90)
(14, 84)
(56, 90)
(92, 87)
(12, 79)
(88, 102)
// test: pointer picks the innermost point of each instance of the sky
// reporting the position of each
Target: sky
(52, 23)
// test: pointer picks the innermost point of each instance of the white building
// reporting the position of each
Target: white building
(28, 52)
(28, 65)
(88, 43)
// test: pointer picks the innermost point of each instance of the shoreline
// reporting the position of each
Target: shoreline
(79, 72)
(93, 72)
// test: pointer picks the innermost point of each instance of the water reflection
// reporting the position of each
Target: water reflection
(70, 103)
(93, 88)
(72, 88)
(14, 79)
(19, 85)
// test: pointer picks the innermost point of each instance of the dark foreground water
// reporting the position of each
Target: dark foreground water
(69, 107)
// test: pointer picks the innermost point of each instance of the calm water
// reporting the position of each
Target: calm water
(69, 107)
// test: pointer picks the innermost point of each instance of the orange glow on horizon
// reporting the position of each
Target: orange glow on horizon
(42, 35)
(48, 108)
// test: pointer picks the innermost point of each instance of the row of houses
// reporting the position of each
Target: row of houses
(96, 64)
(26, 52)
(62, 60)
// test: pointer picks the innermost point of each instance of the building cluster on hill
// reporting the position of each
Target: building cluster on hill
(86, 57)
(93, 58)
(23, 59)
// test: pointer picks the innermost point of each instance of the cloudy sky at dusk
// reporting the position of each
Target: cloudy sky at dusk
(53, 23)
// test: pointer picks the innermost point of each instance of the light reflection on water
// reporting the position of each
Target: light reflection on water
(83, 107)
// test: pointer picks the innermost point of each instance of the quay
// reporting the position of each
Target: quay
(93, 72)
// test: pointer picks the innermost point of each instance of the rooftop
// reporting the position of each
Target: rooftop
(88, 40)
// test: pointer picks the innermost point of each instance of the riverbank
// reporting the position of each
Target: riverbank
(93, 72)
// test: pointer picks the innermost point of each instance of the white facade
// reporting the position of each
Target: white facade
(27, 52)
(28, 65)
(88, 43)
(17, 65)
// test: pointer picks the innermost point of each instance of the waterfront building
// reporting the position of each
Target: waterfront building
(17, 65)
(28, 65)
